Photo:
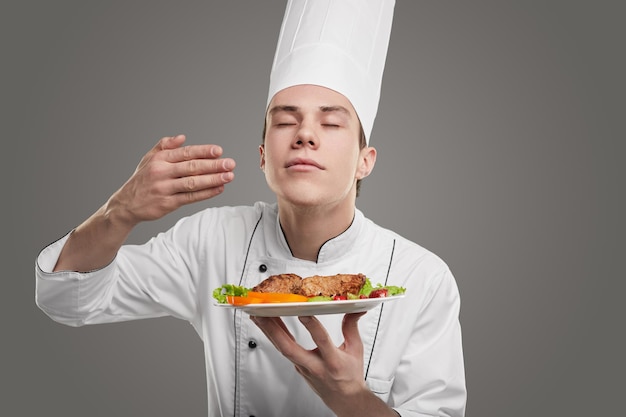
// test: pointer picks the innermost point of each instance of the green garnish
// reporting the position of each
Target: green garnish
(395, 290)
(391, 289)
(367, 288)
(229, 289)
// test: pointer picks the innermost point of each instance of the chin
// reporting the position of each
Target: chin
(304, 199)
(309, 197)
(309, 193)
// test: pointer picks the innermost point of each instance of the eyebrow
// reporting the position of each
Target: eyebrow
(340, 109)
(277, 109)
(323, 109)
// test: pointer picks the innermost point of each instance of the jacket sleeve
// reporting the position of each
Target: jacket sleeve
(155, 279)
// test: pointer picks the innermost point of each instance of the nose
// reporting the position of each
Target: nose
(306, 136)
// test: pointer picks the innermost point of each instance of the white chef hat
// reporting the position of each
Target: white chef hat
(337, 44)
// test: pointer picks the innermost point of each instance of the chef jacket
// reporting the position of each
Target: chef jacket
(412, 346)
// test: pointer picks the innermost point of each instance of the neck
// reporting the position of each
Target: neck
(308, 228)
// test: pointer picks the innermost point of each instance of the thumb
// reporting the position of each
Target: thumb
(171, 142)
(167, 142)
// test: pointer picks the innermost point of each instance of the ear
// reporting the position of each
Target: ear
(367, 160)
(262, 155)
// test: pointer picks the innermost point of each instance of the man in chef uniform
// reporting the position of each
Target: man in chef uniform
(400, 358)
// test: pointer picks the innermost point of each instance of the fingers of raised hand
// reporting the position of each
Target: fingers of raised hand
(187, 153)
(199, 179)
(170, 142)
(161, 148)
(197, 187)
(171, 185)
(201, 167)
(193, 170)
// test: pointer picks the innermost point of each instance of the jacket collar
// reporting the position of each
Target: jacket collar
(333, 249)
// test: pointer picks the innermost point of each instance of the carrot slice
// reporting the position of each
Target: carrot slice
(270, 297)
(237, 300)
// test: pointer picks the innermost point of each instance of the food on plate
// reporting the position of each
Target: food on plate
(339, 285)
(315, 286)
(282, 283)
(253, 297)
(285, 288)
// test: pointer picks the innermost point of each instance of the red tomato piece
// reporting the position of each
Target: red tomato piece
(379, 293)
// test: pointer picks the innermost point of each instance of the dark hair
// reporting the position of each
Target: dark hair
(362, 144)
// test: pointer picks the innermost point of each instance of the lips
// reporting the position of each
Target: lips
(303, 162)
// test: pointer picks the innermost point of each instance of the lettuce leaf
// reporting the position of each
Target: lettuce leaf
(367, 288)
(220, 293)
(394, 290)
(391, 289)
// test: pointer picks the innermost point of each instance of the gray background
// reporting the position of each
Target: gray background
(500, 138)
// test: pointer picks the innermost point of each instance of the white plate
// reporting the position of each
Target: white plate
(311, 308)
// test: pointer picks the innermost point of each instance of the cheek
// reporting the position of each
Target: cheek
(269, 161)
(349, 166)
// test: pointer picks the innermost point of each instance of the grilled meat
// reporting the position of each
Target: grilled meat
(327, 286)
(330, 286)
(283, 283)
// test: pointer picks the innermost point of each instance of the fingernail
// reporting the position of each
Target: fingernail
(216, 150)
(305, 319)
(227, 176)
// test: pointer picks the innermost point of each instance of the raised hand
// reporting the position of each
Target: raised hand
(171, 175)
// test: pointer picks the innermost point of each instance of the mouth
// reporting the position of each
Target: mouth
(303, 163)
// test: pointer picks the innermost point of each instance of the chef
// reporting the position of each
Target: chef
(402, 357)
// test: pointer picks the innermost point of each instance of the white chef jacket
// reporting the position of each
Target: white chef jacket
(412, 346)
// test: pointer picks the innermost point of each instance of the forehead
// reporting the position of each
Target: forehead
(310, 97)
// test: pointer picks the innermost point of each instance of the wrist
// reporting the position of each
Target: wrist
(117, 216)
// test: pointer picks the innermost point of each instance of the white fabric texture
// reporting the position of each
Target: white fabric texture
(337, 44)
(412, 346)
